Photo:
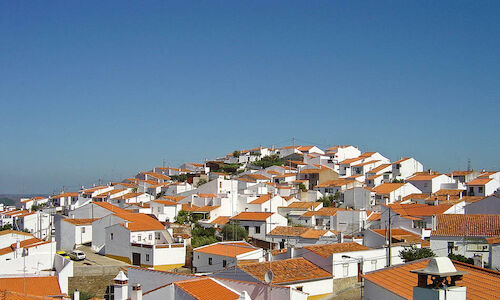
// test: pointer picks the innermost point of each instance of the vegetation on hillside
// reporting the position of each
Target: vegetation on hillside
(267, 161)
(234, 232)
(201, 236)
(415, 253)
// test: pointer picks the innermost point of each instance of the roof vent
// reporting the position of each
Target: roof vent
(439, 268)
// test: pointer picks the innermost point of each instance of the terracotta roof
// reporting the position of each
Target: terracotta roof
(461, 173)
(366, 163)
(112, 192)
(207, 195)
(130, 195)
(386, 188)
(375, 216)
(140, 222)
(367, 154)
(173, 198)
(467, 225)
(287, 270)
(316, 233)
(450, 192)
(222, 220)
(206, 289)
(301, 204)
(79, 222)
(402, 236)
(262, 199)
(493, 240)
(479, 181)
(379, 168)
(481, 283)
(418, 209)
(488, 174)
(257, 176)
(110, 207)
(230, 249)
(471, 199)
(335, 183)
(165, 202)
(416, 196)
(9, 295)
(252, 216)
(286, 175)
(401, 160)
(194, 208)
(324, 211)
(64, 195)
(91, 190)
(289, 231)
(311, 171)
(28, 243)
(329, 249)
(157, 175)
(423, 177)
(38, 286)
(350, 160)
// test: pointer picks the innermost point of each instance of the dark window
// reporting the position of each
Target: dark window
(210, 261)
(111, 236)
(299, 288)
(246, 228)
(257, 229)
(451, 245)
(224, 263)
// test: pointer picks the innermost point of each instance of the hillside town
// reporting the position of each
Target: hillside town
(292, 222)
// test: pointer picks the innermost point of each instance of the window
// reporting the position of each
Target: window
(481, 189)
(157, 235)
(83, 229)
(374, 264)
(345, 268)
(147, 257)
(246, 228)
(139, 237)
(150, 236)
(224, 263)
(451, 245)
(210, 261)
(299, 288)
(111, 236)
(257, 229)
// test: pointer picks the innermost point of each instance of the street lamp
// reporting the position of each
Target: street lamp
(360, 271)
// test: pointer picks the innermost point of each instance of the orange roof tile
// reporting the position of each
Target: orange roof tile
(252, 216)
(165, 202)
(324, 211)
(173, 198)
(479, 181)
(493, 240)
(329, 249)
(140, 222)
(461, 173)
(467, 225)
(366, 163)
(257, 176)
(110, 207)
(402, 236)
(207, 195)
(39, 286)
(418, 209)
(386, 188)
(10, 295)
(79, 222)
(379, 168)
(64, 195)
(423, 177)
(206, 289)
(262, 199)
(308, 205)
(287, 270)
(481, 283)
(229, 249)
(350, 160)
(222, 220)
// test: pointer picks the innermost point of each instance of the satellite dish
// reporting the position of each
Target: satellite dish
(269, 276)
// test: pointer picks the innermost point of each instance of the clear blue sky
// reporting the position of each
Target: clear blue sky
(103, 89)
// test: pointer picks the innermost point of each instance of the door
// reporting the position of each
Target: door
(136, 259)
(359, 272)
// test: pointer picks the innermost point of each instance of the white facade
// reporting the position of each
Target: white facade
(406, 167)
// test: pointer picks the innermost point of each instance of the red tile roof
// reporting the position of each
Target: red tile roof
(418, 209)
(287, 271)
(467, 225)
(222, 220)
(206, 289)
(402, 236)
(230, 249)
(324, 211)
(79, 222)
(252, 216)
(262, 199)
(386, 188)
(481, 283)
(329, 249)
(9, 295)
(140, 222)
(479, 181)
(39, 286)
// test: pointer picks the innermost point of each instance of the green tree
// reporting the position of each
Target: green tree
(461, 258)
(398, 181)
(302, 187)
(179, 178)
(184, 217)
(201, 236)
(6, 227)
(234, 232)
(236, 153)
(267, 161)
(327, 200)
(415, 253)
(201, 182)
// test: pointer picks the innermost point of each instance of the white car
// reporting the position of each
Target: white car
(77, 255)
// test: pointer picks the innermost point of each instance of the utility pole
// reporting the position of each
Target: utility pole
(390, 239)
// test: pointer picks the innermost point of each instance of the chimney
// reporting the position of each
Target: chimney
(120, 286)
(136, 292)
(76, 295)
(444, 277)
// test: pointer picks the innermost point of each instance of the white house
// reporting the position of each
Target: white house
(482, 186)
(465, 235)
(391, 192)
(431, 183)
(406, 167)
(259, 224)
(71, 233)
(218, 256)
(165, 210)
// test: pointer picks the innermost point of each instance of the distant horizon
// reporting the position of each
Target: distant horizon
(96, 89)
(104, 181)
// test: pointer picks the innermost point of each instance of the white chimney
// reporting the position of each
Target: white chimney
(121, 286)
(136, 292)
(444, 277)
(76, 295)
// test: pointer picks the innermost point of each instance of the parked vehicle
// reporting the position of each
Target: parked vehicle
(63, 254)
(77, 255)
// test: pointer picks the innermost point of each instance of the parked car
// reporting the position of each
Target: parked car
(77, 255)
(63, 254)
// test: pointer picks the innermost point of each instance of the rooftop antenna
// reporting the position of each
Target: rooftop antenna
(468, 164)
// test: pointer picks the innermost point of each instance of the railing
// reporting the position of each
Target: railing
(159, 246)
